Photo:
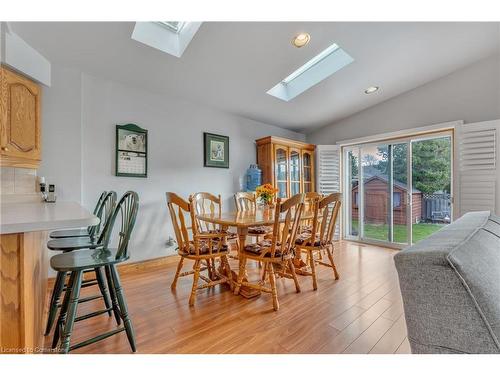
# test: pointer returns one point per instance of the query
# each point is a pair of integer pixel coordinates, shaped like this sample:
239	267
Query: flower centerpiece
266	194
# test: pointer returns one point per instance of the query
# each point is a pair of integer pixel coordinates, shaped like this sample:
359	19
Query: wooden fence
436	207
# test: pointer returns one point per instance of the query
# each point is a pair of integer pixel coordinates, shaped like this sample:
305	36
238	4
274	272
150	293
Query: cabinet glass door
294	172
281	160
307	172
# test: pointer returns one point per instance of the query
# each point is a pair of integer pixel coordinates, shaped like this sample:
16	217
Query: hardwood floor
359	313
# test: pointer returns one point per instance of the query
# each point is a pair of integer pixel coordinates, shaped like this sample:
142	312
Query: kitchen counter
41	216
24	257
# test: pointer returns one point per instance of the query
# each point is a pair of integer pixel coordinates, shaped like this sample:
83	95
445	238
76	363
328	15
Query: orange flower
266	192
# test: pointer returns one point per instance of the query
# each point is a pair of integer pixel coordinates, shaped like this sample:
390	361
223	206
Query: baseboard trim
148	264
139	266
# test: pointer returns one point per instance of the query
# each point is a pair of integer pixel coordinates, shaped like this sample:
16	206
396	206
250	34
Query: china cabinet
286	164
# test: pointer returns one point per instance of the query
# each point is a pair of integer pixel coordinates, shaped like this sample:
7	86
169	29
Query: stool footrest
85	284
97	338
90	298
86	299
92	314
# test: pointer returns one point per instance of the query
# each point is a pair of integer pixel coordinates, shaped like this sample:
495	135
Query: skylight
320	67
174	26
171	37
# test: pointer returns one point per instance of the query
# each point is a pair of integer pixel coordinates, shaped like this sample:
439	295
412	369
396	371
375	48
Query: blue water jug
253	177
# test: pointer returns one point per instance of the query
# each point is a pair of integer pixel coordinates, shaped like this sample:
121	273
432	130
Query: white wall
19	55
471	94
61	134
79	118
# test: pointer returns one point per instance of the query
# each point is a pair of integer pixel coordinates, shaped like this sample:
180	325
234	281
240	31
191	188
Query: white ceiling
231	65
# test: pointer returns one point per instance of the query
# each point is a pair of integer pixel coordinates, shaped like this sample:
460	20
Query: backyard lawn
379	231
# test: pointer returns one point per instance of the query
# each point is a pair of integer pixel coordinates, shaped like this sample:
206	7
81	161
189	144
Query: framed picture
131	151
216	150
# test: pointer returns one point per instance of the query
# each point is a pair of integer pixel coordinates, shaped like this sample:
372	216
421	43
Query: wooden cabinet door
307	171
20	117
281	181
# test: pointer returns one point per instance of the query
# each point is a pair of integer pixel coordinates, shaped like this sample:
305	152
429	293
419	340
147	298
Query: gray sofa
450	283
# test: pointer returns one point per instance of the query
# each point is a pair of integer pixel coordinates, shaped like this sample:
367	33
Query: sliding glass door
397	192
374	190
431	175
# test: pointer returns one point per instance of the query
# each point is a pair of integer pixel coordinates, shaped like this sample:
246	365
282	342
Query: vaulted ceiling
231	65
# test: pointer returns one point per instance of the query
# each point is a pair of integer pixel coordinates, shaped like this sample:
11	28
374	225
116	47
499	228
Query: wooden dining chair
201	246
247	201
309	202
320	238
277	251
207	203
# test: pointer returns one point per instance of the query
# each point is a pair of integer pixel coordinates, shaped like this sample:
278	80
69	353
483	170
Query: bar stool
77	262
90	231
76	243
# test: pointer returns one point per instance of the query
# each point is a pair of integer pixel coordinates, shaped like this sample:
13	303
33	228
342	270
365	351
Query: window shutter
328	174
478	184
328	169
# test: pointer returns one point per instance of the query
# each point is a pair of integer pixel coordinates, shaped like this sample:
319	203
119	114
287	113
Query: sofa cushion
477	263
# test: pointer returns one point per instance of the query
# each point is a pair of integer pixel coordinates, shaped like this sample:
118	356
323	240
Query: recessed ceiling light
301	40
371	89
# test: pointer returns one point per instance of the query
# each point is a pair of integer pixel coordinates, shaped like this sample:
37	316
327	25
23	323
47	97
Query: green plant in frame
216	150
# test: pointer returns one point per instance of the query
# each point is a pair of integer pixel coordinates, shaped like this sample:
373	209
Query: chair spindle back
326	216
284	233
178	208
310	200
206	203
91	229
127	208
245	201
104	214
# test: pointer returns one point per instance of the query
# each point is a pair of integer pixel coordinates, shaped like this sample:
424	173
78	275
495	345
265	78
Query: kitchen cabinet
20	123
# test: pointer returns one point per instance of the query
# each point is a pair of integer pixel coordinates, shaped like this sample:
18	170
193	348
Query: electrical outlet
170	242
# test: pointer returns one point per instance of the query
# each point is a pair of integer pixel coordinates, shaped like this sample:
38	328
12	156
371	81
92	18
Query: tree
369	160
354	169
354	164
431	164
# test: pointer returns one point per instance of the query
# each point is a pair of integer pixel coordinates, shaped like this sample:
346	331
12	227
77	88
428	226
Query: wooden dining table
242	220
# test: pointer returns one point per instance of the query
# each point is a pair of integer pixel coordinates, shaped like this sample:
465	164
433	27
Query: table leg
242	237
